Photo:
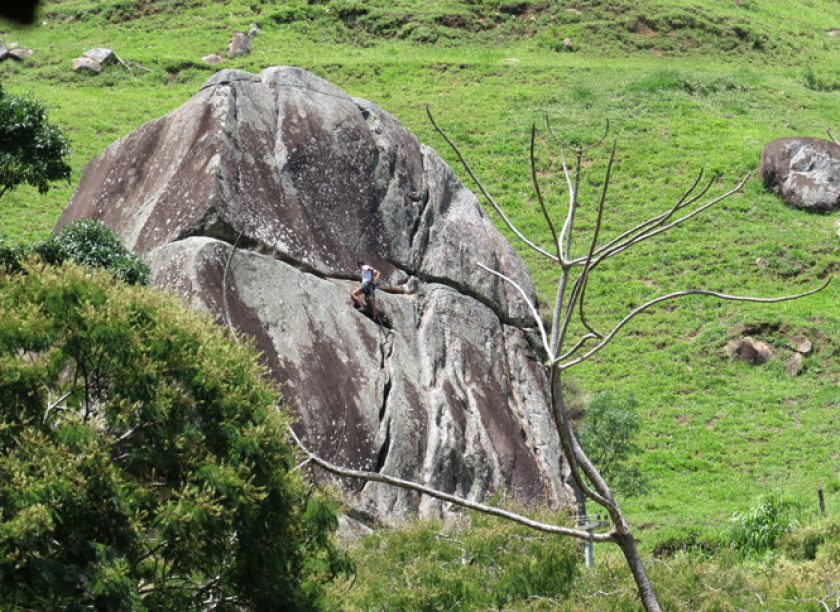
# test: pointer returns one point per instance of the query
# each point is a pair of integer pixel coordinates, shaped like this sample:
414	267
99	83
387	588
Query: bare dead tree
565	352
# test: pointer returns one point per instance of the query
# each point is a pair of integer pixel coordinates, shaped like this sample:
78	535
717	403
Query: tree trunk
631	554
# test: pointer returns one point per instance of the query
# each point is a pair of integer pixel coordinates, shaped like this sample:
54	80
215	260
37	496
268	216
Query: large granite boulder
805	172
309	180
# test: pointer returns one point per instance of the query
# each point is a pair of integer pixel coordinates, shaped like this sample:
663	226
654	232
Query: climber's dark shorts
368	289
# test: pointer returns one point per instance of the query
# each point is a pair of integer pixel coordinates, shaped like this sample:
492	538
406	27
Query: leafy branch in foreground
565	352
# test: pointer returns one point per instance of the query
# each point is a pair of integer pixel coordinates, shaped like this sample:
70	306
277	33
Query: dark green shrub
804	543
87	242
143	459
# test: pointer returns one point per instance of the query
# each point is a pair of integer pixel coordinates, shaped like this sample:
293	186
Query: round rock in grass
239	46
805	172
85	64
4	51
104	57
794	365
21	54
749	350
801	344
213	59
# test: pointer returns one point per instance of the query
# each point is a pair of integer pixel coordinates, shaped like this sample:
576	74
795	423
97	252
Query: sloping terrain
685	86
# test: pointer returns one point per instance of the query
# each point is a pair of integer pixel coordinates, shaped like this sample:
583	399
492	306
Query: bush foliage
142	458
490	565
87	242
32	150
608	434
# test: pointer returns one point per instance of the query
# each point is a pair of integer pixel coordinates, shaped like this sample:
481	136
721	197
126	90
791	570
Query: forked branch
487	195
679	294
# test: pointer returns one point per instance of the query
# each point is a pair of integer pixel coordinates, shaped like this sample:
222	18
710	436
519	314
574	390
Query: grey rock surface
801	344
240	45
450	393
105	57
805	172
86	64
4	51
21	54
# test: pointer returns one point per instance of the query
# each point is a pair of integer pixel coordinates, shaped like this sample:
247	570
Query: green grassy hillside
685	86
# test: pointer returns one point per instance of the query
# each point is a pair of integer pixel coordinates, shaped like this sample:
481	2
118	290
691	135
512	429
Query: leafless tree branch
528	302
487	195
679	294
452	499
536	182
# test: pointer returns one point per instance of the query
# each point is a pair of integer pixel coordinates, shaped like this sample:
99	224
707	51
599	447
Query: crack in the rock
424	202
386	351
213	227
383	452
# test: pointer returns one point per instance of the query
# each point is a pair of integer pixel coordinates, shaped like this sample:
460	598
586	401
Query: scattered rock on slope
805	172
240	45
749	350
310	180
104	57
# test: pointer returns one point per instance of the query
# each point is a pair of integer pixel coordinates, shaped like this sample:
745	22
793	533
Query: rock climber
370	276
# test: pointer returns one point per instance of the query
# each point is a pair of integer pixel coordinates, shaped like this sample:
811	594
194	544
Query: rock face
804	171
240	45
451	393
101	55
86	64
749	350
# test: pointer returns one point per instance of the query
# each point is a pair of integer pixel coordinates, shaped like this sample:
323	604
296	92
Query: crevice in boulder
386	350
382	456
424	202
212	226
467	291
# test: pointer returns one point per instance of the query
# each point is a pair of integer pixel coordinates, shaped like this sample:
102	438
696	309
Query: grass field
684	87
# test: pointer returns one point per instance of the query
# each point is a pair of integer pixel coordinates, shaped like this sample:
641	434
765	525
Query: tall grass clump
755	532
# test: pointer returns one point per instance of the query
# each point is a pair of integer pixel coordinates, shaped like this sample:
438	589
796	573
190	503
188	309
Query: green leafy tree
143	464
32	150
608	435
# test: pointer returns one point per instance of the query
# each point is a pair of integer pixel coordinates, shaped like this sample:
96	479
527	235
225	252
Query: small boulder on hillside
749	350
213	59
801	344
794	365
21	54
805	172
85	64
240	45
104	57
4	51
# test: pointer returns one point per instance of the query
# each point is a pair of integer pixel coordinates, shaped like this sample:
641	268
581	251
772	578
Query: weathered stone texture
805	172
451	393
